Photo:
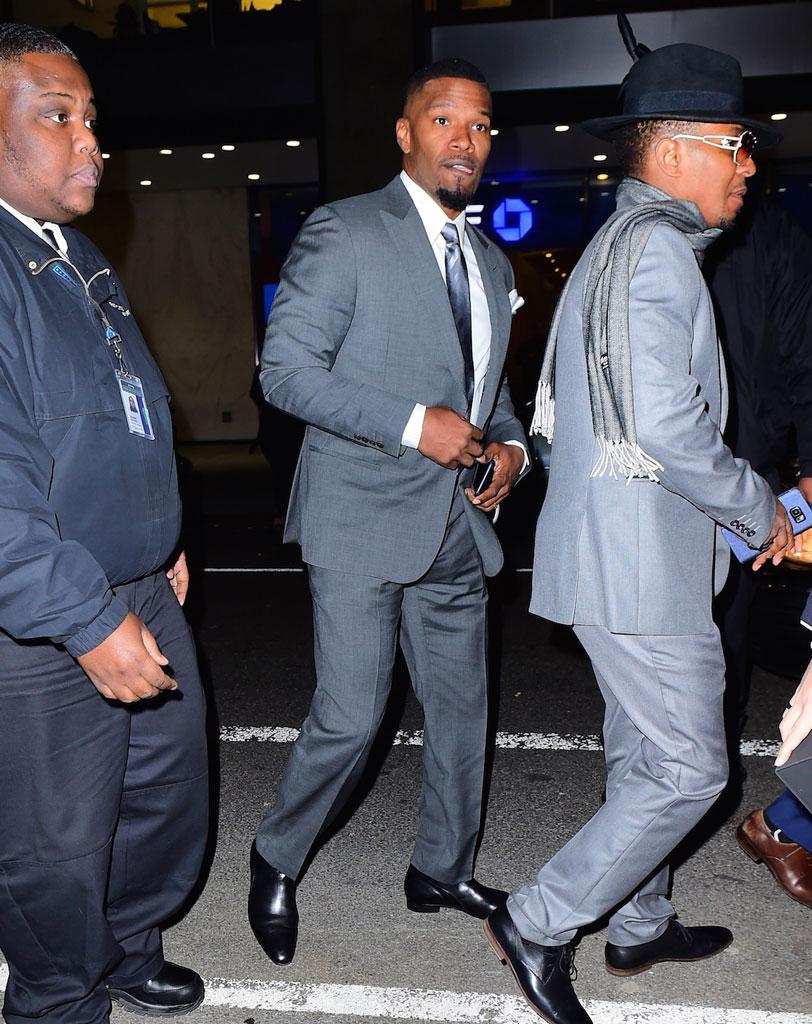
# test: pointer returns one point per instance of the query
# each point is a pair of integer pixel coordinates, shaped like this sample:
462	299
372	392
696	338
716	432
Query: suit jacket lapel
419	263
499	312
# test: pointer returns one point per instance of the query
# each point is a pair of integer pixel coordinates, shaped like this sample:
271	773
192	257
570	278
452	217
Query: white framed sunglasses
741	146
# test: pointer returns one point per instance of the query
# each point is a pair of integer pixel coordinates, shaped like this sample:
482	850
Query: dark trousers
441	622
103	819
732	614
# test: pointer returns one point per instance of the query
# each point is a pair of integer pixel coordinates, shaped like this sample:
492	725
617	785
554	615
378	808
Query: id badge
135	406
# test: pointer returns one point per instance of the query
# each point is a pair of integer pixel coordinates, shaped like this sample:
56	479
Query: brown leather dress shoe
790	864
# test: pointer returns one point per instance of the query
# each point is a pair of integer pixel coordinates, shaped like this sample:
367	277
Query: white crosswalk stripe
448	1007
504	740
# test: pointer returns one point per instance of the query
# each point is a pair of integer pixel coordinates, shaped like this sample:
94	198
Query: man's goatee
456	200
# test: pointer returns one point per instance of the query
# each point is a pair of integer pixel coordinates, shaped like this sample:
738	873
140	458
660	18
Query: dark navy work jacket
760	276
84	504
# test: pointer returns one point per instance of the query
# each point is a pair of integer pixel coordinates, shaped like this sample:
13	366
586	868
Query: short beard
727	223
24	172
456	200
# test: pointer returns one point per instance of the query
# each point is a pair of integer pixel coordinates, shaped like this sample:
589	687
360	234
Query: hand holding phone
798	515
483	474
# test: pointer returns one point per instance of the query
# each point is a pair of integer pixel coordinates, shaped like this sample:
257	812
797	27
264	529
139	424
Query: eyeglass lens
747	146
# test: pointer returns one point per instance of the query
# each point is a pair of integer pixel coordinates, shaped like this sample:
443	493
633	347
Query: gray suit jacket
360	331
639	557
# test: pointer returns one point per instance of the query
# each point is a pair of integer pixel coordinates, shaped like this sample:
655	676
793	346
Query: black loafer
676	943
174	990
424	895
544	974
272	911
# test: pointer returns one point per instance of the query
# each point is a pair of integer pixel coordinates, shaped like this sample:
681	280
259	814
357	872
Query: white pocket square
516	301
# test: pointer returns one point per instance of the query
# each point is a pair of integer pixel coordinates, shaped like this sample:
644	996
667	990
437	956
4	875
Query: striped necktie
456	277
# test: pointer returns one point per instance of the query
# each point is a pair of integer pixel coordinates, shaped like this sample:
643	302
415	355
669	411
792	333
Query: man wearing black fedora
628	547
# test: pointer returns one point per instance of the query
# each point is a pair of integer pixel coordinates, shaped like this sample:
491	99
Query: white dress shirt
38	229
434	220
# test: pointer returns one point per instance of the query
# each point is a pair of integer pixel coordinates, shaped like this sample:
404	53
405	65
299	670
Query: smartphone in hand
483	474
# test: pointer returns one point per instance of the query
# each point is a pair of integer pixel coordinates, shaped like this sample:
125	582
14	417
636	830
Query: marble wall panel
184	260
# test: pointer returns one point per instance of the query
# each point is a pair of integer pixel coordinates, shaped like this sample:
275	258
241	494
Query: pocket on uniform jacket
83	399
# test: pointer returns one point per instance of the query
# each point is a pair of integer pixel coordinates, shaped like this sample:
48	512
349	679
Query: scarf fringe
624	458
544	412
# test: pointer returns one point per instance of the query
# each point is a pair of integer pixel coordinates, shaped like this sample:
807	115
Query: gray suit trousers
666	764
442	623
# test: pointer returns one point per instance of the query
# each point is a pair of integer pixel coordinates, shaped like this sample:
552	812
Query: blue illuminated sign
268	293
512	219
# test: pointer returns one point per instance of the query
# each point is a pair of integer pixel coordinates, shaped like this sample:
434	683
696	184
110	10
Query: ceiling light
599	157
604	193
778	117
228	149
208	156
145	182
494	131
564	274
105	156
549	255
253	177
534	201
562	128
293	143
602	177
782	189
165	152
580	199
494	182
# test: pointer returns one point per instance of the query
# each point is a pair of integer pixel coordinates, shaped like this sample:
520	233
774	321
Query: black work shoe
174	990
272	911
424	895
544	974
676	943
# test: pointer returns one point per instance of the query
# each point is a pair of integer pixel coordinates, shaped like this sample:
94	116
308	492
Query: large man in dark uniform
104	798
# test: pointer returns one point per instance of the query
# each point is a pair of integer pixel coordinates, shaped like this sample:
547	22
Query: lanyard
113	339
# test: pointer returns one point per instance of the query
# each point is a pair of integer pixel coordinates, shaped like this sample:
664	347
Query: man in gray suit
388	337
627	539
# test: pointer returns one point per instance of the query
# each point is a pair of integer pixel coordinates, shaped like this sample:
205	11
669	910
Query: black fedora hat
681	82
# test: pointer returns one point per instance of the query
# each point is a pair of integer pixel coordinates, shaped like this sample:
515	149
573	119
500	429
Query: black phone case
483	474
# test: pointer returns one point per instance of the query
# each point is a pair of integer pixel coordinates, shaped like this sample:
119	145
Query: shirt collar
37	228
431	213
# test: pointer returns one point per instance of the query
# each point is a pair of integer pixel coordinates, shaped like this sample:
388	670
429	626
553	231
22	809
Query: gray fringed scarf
615	255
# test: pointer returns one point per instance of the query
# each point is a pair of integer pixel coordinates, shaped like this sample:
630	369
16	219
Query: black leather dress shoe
272	911
174	990
676	943
424	895
544	974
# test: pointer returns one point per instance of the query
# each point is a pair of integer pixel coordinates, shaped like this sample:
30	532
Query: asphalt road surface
362	956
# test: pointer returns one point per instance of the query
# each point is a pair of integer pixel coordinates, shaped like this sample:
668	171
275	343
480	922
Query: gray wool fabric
619	245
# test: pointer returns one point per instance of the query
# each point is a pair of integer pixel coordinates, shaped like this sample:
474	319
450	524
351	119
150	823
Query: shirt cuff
414	427
519	444
98	630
